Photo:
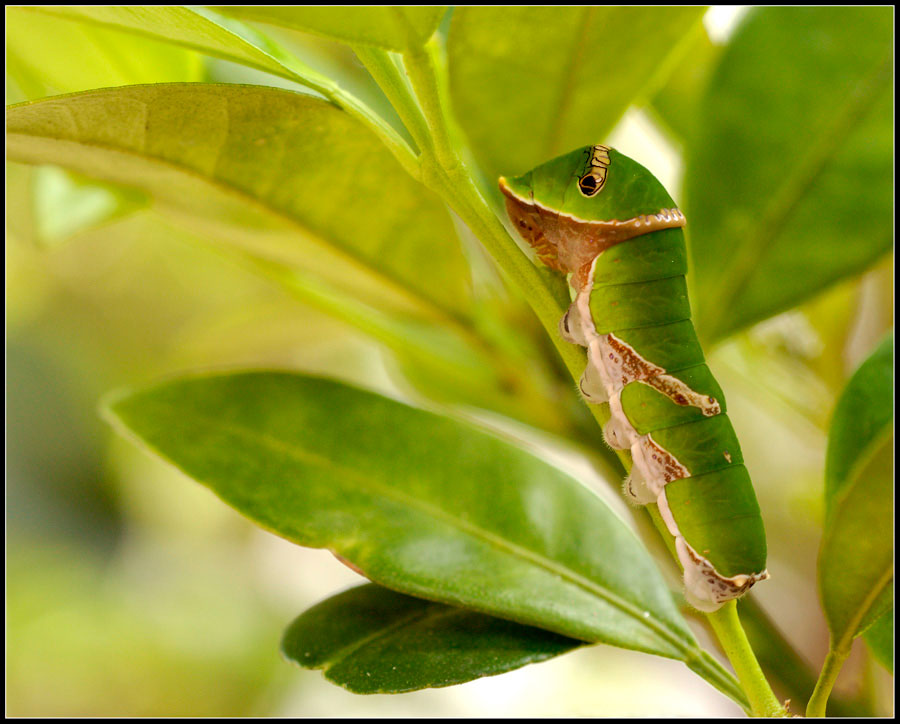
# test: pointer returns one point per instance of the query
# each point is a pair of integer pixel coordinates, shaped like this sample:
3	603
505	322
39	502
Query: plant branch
830	670
422	107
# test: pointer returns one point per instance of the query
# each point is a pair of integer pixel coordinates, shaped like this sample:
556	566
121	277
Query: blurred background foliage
131	592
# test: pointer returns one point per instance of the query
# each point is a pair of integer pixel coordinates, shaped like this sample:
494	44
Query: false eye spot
588	185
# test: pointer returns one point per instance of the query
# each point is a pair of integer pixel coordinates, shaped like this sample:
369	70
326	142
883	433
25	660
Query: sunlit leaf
40	49
185	27
389	27
788	180
529	83
372	640
282	174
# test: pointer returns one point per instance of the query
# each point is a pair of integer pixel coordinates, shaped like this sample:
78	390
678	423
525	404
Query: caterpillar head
571	208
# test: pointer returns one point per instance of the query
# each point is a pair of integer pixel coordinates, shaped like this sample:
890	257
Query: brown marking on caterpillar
681	394
722	588
567	243
662	462
629	363
727	455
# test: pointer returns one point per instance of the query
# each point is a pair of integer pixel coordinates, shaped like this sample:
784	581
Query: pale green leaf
41	48
282	174
388	27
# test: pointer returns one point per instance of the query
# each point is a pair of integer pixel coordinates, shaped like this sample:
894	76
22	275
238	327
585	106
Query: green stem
727	625
443	171
830	670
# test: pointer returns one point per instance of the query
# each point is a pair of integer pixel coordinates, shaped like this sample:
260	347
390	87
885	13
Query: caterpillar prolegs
604	219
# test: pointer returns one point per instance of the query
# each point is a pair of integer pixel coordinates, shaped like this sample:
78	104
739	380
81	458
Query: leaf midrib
492	539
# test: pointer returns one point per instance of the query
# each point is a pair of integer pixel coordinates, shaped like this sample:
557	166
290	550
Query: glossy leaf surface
372	640
788	181
419	503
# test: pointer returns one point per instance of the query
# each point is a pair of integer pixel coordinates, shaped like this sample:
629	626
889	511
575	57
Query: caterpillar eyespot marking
624	249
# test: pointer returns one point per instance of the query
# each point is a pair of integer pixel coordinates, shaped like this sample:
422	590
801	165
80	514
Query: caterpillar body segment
605	220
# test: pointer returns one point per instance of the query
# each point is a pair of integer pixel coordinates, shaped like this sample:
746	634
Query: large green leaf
529	83
295	181
389	27
189	28
789	182
40	49
856	559
372	640
419	503
279	173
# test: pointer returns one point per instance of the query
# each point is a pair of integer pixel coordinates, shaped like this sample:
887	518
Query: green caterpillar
598	215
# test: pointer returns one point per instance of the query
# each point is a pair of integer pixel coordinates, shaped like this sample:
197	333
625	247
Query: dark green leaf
529	83
420	503
372	640
789	181
390	27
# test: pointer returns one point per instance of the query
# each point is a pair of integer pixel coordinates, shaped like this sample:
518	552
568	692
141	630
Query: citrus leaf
788	179
880	639
420	503
863	413
390	27
856	559
372	640
284	175
529	83
40	48
189	28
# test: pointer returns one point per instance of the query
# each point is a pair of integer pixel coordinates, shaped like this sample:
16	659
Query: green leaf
188	28
675	104
419	503
789	181
284	175
390	27
40	49
864	412
529	83
856	560
371	640
880	639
